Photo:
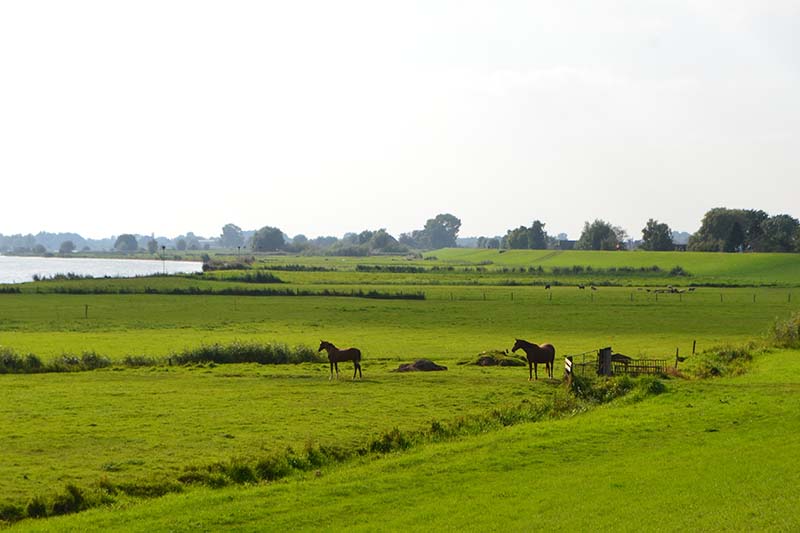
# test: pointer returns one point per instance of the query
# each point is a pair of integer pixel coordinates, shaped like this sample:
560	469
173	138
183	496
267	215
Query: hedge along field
632	322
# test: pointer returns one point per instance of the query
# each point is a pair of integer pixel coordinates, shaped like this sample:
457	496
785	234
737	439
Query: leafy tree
39	249
180	244
152	246
516	239
126	243
440	231
268	239
537	237
382	241
779	233
365	236
727	230
600	235
67	247
231	236
300	240
657	236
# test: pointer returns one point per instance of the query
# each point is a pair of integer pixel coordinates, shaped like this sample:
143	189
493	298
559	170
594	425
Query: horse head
517	345
324	345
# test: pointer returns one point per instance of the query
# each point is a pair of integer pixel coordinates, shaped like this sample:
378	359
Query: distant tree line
731	230
721	230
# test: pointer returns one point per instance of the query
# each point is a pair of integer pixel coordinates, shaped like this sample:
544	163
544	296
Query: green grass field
718	455
151	425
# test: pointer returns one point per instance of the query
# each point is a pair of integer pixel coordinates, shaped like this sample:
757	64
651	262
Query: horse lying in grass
536	354
336	356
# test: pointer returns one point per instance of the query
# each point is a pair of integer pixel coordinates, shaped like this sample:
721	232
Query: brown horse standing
536	354
336	356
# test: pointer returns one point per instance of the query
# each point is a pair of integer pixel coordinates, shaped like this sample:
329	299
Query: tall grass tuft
247	352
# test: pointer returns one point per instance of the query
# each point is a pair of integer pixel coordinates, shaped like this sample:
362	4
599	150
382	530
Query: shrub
70	501
36	508
273	467
11	513
247	352
725	360
786	333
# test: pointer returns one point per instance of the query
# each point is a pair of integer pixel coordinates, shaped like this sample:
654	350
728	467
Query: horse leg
331	376
536	371
530	371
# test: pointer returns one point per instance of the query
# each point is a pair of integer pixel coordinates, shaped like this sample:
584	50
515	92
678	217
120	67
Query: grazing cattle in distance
547	286
581	286
593	288
536	354
336	356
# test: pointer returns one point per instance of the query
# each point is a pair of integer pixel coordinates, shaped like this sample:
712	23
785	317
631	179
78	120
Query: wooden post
720	297
754	298
694	346
550	296
677	351
512	296
484	296
604	362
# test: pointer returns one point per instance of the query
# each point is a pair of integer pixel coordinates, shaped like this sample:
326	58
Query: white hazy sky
326	117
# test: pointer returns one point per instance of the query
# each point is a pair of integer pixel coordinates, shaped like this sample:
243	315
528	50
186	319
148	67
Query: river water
21	269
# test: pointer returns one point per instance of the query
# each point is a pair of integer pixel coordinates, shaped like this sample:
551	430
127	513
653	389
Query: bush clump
725	360
786	333
247	352
13	363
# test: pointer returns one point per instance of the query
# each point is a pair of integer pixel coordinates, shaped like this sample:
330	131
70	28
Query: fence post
604	362
568	370
694	345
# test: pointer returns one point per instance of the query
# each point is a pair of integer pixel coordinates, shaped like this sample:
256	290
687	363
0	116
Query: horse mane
526	343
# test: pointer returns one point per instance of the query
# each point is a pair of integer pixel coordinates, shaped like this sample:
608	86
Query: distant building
566	244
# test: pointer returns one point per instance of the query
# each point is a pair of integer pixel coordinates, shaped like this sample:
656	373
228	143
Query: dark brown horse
536	354
336	356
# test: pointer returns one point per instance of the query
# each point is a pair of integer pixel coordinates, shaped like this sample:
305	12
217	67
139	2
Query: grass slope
714	455
782	269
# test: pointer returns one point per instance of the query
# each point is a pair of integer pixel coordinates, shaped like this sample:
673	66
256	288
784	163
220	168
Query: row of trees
729	230
438	232
722	230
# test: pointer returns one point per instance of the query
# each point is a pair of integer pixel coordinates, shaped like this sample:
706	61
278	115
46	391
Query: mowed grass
632	322
149	424
718	455
772	268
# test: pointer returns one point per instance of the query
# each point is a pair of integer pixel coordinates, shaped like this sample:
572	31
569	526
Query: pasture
150	426
717	455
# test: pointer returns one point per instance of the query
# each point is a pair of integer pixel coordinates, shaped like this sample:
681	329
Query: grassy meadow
152	426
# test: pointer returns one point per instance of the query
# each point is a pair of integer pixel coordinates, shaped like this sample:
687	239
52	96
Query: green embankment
717	455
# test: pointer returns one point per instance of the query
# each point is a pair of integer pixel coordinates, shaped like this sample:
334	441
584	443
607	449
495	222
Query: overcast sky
326	117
